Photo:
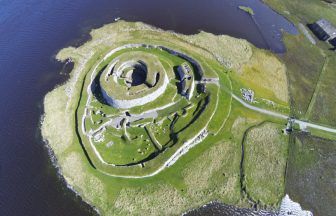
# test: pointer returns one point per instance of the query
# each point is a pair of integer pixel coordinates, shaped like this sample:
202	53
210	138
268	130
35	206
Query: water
31	33
216	208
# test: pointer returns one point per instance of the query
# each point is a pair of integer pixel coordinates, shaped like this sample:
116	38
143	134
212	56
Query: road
303	124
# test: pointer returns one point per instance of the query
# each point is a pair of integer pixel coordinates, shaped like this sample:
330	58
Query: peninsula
156	123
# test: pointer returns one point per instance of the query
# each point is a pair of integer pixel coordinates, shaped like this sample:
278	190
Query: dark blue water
31	33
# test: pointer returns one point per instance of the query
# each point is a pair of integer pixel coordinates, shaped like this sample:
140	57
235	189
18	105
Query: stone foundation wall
126	104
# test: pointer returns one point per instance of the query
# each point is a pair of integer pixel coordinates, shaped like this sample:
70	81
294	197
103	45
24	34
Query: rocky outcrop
291	208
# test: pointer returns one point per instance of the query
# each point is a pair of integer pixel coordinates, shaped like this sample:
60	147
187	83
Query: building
184	72
186	84
248	94
327	27
333	42
183	88
323	29
180	73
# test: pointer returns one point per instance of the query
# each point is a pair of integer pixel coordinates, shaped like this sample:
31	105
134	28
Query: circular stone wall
122	141
119	87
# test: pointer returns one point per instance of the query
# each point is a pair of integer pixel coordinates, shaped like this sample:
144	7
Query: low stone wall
126	104
184	56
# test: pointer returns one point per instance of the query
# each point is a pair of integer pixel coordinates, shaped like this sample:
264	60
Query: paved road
278	115
303	124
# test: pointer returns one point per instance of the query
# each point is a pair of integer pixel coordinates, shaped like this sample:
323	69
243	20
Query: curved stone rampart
184	56
126	104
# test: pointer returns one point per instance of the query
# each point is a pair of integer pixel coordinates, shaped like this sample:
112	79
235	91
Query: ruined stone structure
120	90
140	94
126	104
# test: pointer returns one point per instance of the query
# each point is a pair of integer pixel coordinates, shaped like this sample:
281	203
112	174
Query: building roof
181	73
186	67
184	71
183	87
333	42
318	31
327	27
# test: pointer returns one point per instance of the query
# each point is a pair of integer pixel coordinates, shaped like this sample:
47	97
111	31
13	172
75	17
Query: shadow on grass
96	88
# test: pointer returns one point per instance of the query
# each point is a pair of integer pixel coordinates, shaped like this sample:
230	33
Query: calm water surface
31	33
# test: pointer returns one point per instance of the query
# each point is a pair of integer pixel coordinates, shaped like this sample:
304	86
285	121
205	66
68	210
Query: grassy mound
122	92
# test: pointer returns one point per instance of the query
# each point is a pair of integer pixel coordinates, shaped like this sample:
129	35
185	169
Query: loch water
31	33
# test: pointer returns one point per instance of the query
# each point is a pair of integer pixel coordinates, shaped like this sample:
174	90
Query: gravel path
303	124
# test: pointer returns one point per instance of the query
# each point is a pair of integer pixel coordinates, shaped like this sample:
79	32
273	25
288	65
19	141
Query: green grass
247	10
179	105
311	87
120	91
259	75
304	61
123	151
183	135
224	98
214	163
265	156
311	173
309	12
161	131
322	134
184	119
169	96
324	103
